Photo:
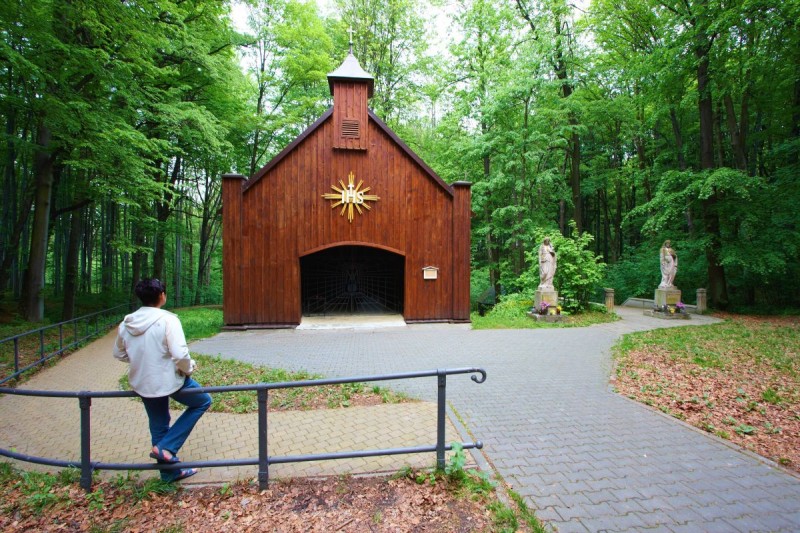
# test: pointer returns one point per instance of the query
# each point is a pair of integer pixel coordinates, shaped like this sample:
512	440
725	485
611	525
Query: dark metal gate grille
352	280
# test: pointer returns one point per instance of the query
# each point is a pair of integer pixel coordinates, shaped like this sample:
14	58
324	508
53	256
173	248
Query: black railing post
440	419
263	458
85	403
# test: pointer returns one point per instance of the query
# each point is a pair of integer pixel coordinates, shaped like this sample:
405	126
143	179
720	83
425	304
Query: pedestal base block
551	297
668	315
667	297
546	318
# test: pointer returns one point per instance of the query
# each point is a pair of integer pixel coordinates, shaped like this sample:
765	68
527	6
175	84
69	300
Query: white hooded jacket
152	341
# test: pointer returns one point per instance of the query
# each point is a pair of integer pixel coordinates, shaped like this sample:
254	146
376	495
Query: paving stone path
585	458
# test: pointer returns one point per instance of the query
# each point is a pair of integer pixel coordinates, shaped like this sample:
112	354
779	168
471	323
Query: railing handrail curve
63	323
263	461
20	368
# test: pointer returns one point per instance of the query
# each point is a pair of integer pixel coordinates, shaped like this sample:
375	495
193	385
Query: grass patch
512	313
200	322
215	372
720	345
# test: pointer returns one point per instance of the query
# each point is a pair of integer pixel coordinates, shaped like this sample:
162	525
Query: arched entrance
352	280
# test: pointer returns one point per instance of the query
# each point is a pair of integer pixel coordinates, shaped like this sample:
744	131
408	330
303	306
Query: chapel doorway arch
352	280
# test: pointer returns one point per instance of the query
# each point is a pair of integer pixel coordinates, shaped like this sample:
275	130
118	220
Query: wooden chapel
346	219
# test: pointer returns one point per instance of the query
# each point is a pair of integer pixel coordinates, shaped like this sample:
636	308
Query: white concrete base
352	322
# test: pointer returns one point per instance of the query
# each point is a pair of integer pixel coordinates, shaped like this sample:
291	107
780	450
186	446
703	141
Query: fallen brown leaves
744	398
337	504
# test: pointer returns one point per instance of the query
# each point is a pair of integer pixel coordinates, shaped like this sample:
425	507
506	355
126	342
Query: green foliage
771	396
39	490
145	105
454	468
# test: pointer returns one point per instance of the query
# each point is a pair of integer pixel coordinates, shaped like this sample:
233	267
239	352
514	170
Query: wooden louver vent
351	128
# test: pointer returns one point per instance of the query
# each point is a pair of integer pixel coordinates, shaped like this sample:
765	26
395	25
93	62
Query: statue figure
547	265
669	266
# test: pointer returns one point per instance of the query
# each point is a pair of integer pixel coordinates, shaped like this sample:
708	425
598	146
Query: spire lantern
350	71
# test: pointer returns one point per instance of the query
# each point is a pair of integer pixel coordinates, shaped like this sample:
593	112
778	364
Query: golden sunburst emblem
350	196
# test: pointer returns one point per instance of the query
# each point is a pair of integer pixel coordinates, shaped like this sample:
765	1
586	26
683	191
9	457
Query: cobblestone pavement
585	458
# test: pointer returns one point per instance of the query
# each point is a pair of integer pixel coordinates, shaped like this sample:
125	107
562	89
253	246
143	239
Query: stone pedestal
546	318
668	315
702	303
545	295
669	296
609	300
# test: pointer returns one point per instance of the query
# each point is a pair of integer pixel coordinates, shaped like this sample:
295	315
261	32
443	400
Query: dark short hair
149	291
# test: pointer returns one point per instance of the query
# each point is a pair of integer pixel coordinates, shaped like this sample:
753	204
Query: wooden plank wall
283	216
350	103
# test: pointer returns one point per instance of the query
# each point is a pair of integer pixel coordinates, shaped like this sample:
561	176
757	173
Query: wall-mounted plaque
430	273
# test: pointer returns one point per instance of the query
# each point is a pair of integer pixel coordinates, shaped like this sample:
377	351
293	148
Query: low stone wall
648	304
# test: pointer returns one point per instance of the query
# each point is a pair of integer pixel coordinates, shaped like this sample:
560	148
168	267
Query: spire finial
351	31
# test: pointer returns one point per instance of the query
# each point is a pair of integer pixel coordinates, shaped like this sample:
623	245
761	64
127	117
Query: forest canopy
614	125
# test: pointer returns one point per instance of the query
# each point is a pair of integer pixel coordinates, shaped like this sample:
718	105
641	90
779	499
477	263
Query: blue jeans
172	438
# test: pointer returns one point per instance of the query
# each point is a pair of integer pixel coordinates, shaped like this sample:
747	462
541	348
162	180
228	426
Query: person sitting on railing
152	341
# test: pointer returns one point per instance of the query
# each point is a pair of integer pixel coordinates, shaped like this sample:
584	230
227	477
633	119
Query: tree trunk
575	178
737	138
137	262
163	212
107	250
718	290
676	131
32	298
209	234
706	109
72	264
9	212
491	246
15	238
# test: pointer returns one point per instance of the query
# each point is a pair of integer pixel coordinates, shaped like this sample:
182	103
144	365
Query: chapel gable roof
321	120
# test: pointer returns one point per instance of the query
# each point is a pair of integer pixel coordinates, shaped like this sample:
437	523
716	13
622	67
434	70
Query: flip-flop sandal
189	472
161	458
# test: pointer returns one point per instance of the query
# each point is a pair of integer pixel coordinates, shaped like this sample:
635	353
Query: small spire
351	31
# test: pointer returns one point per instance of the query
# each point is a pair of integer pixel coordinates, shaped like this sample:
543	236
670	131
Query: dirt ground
341	504
748	401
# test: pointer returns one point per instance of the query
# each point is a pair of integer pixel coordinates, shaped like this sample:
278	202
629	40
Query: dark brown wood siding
350	116
281	215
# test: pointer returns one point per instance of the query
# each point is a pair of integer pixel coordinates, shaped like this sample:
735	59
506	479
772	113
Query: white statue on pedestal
669	266
547	265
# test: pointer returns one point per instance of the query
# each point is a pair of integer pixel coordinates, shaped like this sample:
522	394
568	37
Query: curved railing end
480	379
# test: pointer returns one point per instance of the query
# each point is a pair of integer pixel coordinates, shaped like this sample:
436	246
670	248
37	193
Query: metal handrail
113	312
263	460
